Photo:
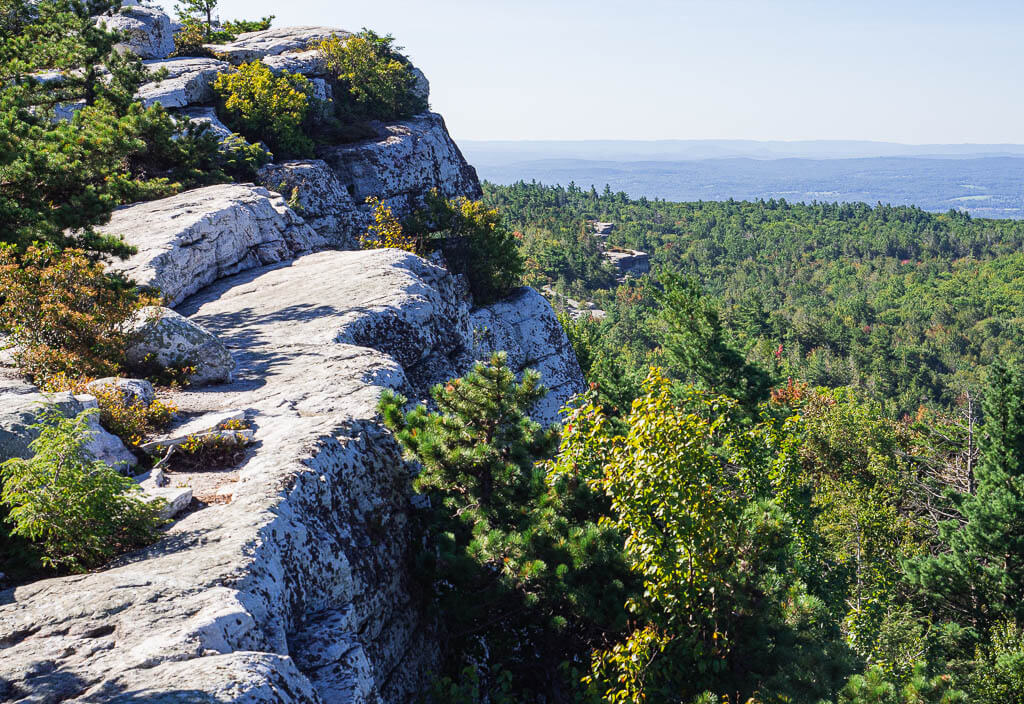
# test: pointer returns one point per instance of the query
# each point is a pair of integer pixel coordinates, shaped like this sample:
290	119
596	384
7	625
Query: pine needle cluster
521	572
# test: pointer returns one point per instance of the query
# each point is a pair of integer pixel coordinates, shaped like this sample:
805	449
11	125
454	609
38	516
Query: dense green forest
904	305
798	474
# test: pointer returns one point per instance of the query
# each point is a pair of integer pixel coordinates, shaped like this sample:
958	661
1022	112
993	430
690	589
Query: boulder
147	30
156	486
525	326
132	391
604	228
161	338
19	411
253	46
308	63
322	201
207	116
629	262
421	88
189	240
188	81
405	161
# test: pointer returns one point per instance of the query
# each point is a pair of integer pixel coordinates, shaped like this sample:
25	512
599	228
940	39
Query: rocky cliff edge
289	581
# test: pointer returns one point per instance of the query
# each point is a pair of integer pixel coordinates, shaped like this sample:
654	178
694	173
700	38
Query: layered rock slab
405	161
525	327
321	198
296	590
252	46
194	238
187	81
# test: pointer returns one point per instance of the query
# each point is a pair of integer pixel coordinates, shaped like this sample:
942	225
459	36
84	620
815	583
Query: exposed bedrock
194	238
406	160
253	46
146	30
298	589
299	583
525	326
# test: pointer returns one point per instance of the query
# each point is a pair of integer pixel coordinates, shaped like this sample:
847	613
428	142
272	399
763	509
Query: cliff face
290	581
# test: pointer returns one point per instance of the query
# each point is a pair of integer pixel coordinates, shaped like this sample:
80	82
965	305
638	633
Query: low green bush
235	27
266	107
472	237
387	232
373	80
79	510
475	243
190	155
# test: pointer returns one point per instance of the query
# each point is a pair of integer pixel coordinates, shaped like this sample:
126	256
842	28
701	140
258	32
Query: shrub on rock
129	409
475	242
267	107
75	142
63	313
375	82
387	232
162	341
77	508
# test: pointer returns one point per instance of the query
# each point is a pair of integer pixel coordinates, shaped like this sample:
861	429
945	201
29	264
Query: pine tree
697	344
546	581
59	178
480	443
197	11
979	579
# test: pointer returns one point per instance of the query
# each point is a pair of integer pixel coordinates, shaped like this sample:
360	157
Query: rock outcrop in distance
290	581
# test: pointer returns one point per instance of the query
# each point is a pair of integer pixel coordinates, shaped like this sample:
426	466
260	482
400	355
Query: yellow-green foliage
78	509
374	80
386	231
267	107
64	314
476	243
120	412
716	524
189	40
131	420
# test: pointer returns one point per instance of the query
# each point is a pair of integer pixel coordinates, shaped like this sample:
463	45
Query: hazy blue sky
914	71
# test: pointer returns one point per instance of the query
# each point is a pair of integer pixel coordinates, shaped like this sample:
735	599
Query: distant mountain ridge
967	178
500	151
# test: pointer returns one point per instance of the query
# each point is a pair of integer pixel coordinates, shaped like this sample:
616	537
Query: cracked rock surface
295	591
194	238
525	326
297	588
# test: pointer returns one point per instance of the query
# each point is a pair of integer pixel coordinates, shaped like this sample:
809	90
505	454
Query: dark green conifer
698	347
523	576
979	578
61	177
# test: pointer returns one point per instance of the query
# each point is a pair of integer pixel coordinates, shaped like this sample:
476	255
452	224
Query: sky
910	71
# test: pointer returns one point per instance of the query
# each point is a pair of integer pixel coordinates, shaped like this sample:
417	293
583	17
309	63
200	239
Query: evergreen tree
698	347
197	11
979	579
59	177
546	581
480	442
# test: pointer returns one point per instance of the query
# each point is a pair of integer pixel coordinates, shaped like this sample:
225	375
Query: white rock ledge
194	238
236	595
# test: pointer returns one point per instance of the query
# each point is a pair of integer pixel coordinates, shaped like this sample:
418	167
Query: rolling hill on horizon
983	180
